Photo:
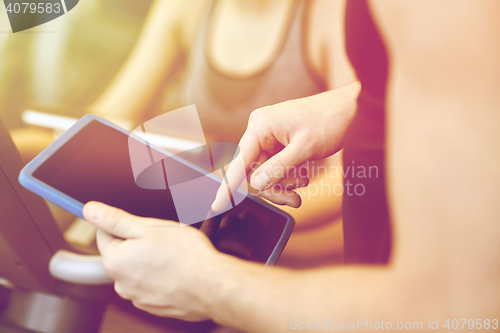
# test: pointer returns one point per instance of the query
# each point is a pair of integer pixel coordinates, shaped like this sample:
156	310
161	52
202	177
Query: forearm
336	108
342	99
146	67
263	299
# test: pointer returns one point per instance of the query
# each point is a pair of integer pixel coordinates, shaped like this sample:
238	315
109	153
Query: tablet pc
91	162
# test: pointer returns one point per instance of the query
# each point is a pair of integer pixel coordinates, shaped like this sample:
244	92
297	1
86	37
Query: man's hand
281	137
158	265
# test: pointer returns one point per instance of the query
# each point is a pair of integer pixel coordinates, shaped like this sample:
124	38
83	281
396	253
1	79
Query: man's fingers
293	183
248	151
283	194
280	196
114	221
279	165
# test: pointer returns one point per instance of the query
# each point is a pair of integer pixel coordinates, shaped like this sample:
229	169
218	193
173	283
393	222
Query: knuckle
140	305
308	140
121	291
279	169
254	114
114	218
267	142
257	114
110	266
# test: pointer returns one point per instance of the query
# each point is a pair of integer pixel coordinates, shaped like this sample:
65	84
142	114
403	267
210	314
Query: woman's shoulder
189	15
325	41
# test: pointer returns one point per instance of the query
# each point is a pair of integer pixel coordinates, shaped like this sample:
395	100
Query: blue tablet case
27	180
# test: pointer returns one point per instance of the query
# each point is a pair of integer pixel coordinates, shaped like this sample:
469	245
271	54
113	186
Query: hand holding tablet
91	162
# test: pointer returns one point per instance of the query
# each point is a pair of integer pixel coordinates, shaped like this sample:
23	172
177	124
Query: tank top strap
224	101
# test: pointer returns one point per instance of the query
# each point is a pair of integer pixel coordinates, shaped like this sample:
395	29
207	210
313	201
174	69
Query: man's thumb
112	220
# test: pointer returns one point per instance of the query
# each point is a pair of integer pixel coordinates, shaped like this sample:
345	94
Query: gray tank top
224	101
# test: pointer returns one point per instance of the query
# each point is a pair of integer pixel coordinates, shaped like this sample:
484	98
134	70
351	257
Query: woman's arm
443	123
165	34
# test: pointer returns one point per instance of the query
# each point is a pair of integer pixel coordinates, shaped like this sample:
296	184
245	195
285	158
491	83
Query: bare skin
443	123
245	37
172	26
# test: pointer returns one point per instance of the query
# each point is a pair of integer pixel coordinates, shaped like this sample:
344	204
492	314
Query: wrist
246	295
218	285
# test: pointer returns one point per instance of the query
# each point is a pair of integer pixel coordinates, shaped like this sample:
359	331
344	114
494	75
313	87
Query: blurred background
68	62
129	61
67	65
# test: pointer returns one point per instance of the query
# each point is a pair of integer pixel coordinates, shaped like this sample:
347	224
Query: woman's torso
224	100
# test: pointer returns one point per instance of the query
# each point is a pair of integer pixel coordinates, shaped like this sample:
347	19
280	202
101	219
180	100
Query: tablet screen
94	165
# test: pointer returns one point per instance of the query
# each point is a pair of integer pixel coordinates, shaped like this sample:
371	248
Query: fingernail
219	207
261	180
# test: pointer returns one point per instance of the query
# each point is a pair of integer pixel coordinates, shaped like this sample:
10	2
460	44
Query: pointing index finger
247	153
